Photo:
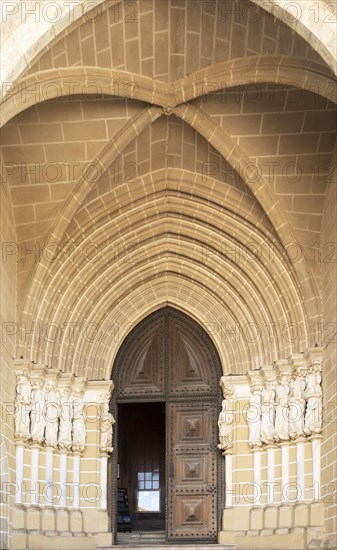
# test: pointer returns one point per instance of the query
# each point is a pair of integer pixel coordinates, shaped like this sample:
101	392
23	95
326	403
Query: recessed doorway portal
141	460
166	402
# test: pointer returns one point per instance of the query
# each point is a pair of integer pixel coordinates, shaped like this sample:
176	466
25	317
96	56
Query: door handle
171	470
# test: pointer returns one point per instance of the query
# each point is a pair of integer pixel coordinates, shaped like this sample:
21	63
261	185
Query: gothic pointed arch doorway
166	403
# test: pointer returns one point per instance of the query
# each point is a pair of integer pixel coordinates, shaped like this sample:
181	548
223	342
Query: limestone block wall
4	507
7	347
329	274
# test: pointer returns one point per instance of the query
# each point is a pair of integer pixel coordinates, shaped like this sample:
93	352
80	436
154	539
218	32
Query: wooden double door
166	401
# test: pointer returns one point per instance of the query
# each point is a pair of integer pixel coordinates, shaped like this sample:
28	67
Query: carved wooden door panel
192	471
143	372
189	361
168	358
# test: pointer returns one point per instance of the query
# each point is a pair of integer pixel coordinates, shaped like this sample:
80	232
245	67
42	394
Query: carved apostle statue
282	409
23	407
225	421
296	405
66	418
78	432
268	412
107	421
52	411
254	417
313	395
38	422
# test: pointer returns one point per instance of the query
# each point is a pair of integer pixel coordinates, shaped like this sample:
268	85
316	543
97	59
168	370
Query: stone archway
170	360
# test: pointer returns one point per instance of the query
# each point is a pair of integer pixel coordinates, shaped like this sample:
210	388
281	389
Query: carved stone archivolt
286	400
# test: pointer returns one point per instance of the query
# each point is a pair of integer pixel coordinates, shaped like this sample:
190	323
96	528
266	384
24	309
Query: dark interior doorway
141	462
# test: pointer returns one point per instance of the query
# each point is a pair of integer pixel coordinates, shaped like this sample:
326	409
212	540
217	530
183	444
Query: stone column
257	474
271	474
284	470
63	477
49	464
316	467
229	479
76	479
300	468
49	474
103	481
34	473
20	449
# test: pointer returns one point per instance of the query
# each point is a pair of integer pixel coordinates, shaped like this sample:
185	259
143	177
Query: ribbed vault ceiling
165	196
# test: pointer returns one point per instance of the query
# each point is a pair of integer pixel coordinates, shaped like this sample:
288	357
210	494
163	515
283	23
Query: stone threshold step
179	547
169	547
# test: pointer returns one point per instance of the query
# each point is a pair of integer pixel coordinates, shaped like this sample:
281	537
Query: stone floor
157	541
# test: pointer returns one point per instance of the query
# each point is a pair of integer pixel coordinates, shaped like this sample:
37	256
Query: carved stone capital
21	441
64	449
21	366
227	388
255	380
269	375
228	451
314	357
36	444
284	443
105	451
300	439
314	436
283	369
78	449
